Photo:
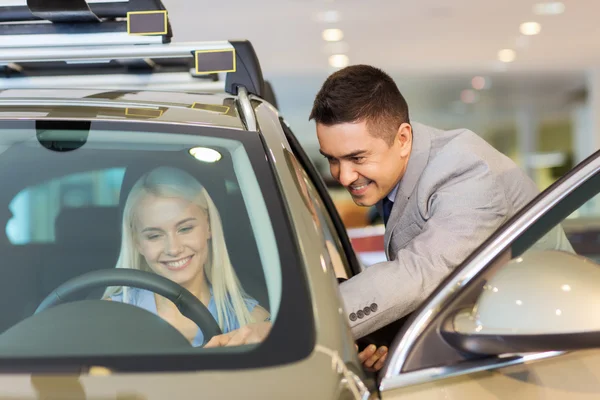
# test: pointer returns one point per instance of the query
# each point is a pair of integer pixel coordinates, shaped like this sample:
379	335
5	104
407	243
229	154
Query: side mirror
542	301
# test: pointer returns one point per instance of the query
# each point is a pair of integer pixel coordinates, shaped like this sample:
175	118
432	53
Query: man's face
367	166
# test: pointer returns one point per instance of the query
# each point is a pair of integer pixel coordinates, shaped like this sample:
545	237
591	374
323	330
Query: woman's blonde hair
172	182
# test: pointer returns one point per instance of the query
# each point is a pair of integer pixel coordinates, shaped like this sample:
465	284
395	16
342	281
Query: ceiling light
530	28
328	17
205	154
339	60
552	8
478	83
333	35
507	55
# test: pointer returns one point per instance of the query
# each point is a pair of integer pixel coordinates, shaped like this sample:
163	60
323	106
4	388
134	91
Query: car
512	320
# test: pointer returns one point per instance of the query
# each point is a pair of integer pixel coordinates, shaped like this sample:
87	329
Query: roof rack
113	37
161	81
236	58
76	23
26	10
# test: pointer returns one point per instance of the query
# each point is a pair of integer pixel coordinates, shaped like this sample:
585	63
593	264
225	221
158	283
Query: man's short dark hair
361	93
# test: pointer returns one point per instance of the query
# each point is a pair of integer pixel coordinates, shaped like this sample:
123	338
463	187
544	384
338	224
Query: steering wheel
188	304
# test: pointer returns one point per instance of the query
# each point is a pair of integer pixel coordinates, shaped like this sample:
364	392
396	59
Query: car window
577	233
195	205
35	209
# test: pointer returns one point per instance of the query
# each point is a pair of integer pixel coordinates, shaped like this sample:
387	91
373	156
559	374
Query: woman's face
172	235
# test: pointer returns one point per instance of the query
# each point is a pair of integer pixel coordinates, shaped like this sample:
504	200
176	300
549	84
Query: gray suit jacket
457	190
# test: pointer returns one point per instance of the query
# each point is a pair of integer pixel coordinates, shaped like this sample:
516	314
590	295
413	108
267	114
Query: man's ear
404	139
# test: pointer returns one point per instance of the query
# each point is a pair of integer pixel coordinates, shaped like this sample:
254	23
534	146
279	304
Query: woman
172	227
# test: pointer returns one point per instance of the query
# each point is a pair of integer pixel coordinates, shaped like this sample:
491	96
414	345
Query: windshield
106	222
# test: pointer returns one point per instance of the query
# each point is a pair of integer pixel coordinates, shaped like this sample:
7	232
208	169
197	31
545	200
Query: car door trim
466	368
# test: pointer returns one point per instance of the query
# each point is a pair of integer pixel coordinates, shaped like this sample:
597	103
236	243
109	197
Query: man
441	193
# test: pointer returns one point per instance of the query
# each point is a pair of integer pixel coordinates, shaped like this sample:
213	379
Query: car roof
159	106
124	58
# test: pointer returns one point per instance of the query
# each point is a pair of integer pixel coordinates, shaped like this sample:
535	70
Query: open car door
518	319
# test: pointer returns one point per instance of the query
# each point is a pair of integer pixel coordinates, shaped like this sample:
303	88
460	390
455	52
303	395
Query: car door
519	318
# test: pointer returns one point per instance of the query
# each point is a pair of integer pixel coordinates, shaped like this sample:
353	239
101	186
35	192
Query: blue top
145	299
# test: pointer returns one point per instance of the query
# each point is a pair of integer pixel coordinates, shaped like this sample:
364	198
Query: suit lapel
419	156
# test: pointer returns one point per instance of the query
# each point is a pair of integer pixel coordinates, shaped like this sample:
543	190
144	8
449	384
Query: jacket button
367	310
352	317
360	314
374	307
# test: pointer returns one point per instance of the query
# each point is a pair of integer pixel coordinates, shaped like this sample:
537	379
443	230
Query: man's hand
248	334
373	358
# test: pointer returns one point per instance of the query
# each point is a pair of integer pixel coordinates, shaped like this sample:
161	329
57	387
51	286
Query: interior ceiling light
205	154
551	8
339	60
507	55
530	28
333	35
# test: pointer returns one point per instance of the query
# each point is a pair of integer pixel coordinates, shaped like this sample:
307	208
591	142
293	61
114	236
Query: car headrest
87	225
211	179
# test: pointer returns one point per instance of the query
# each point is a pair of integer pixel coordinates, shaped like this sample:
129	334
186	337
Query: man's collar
392	195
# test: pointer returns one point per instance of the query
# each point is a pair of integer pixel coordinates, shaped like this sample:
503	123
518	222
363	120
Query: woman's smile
179	264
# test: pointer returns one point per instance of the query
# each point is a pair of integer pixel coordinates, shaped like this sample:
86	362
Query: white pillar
582	132
586	119
586	131
527	135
